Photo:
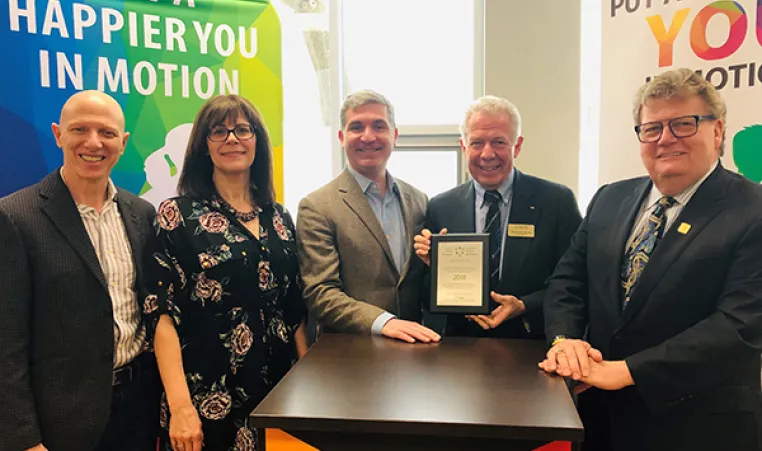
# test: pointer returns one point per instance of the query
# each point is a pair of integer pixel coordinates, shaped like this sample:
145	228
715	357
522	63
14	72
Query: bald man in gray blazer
355	234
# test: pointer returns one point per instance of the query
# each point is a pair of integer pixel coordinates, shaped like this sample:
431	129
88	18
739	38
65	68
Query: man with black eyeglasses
656	309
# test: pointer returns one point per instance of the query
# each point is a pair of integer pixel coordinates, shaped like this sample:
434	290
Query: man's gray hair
494	106
366	97
680	84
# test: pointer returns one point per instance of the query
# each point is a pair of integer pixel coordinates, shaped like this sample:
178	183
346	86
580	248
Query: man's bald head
91	136
92	100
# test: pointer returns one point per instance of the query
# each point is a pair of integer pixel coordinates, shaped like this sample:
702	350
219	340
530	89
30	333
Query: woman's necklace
243	216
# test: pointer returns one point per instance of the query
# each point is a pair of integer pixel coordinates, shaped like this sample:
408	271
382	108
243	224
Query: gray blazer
56	321
346	263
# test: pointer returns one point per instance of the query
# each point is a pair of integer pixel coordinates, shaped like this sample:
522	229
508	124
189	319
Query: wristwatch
558	339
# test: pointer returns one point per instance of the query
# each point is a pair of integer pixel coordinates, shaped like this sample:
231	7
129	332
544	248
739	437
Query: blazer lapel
410	231
705	204
356	201
59	207
135	232
619	233
523	211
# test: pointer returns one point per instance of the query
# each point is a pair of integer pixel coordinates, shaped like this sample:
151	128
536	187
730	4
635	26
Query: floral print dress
236	302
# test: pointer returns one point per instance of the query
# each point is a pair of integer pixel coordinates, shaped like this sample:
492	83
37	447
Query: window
307	134
419	54
426	56
432	171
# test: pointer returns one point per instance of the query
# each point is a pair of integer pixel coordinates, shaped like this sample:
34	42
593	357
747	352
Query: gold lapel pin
684	228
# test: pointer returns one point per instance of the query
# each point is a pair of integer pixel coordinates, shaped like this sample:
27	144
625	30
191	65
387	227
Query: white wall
532	58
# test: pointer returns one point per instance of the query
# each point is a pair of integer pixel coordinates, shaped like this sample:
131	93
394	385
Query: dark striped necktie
492	227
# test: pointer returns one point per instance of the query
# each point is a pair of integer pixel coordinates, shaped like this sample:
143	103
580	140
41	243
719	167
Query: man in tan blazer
355	234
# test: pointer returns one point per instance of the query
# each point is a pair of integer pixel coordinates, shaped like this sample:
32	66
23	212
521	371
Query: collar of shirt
111	193
505	189
681	198
367	184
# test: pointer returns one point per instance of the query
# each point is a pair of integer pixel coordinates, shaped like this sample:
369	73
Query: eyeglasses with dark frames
681	127
220	133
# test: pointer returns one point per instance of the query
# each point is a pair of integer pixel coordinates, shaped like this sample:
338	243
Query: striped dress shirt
112	246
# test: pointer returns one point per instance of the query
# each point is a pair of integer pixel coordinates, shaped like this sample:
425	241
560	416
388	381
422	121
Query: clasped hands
580	361
568	358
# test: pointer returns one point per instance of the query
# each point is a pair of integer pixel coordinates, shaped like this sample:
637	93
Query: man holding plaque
657	305
354	235
530	222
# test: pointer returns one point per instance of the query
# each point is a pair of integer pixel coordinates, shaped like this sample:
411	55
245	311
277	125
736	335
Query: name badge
521	230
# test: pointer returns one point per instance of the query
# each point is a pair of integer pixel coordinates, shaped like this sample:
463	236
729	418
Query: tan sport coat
346	263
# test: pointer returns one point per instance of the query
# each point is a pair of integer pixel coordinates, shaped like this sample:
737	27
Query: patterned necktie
492	227
643	246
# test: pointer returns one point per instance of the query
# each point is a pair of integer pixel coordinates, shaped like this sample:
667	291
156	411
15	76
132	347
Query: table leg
261	440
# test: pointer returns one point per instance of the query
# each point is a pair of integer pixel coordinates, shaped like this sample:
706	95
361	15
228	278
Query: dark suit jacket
56	322
692	332
527	262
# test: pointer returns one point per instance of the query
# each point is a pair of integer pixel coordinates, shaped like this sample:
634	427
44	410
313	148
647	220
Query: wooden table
356	392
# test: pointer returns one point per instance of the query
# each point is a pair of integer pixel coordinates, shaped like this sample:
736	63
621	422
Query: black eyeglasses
681	127
241	131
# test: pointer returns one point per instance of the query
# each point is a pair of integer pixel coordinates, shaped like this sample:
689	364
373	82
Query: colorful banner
161	60
722	40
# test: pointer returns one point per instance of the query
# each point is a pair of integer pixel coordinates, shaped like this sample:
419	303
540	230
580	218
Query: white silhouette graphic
163	166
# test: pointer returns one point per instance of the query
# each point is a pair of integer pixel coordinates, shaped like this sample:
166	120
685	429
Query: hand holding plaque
459	273
422	244
508	306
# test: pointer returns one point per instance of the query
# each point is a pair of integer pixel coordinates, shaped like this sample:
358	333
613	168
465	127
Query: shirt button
160	283
243	253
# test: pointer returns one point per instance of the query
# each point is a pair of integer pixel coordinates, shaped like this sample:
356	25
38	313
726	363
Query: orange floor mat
278	440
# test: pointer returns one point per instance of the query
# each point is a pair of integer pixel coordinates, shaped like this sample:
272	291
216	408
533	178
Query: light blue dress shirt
506	190
388	211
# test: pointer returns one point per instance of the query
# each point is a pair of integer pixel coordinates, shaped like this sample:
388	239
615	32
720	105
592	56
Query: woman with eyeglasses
224	307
